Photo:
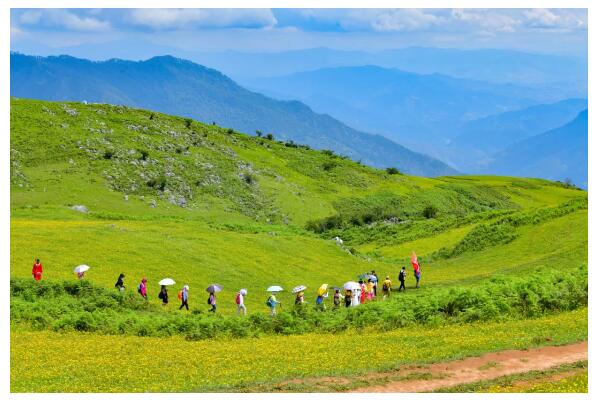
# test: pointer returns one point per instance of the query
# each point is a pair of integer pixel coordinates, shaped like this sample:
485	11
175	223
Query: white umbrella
214	288
243	292
81	268
167	281
351	285
298	289
274	288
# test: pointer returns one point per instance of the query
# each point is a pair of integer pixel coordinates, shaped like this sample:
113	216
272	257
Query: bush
187	122
158	183
249	178
392	170
328	166
270	137
143	154
430	212
108	154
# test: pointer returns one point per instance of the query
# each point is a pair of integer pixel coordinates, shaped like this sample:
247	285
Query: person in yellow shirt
370	289
386	288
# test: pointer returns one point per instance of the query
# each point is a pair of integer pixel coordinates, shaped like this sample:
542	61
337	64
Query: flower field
103	363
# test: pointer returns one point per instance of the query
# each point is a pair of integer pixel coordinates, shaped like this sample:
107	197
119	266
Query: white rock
80	208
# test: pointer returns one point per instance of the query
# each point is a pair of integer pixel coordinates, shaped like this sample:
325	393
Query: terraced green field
171	197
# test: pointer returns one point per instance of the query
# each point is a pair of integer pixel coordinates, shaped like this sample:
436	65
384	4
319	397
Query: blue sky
47	31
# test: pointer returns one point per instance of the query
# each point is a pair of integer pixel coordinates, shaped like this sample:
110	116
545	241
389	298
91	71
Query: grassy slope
232	232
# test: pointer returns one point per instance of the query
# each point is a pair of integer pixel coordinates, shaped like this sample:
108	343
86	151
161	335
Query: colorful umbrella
214	288
298	289
81	268
322	289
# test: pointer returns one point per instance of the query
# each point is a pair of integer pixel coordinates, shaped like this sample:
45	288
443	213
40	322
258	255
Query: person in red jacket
37	270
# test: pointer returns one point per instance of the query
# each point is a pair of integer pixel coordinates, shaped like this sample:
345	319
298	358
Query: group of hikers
355	293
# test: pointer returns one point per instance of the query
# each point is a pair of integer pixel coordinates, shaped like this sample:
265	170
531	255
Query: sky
49	31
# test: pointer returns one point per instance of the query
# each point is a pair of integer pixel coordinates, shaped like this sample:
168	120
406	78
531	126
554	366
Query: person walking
240	301
347	298
402	275
386	288
163	295
337	298
320	301
417	274
299	298
37	270
142	288
363	288
370	290
212	301
120	283
272	303
374	278
183	296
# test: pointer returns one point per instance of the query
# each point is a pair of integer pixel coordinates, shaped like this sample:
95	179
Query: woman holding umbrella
163	295
80	271
272	300
212	299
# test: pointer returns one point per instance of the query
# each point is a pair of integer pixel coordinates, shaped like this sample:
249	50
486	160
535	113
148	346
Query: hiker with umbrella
212	289
163	292
351	295
80	271
322	294
299	295
272	300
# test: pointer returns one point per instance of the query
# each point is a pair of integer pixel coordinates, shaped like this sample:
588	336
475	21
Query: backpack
138	288
209	301
160	295
385	286
401	276
269	302
237	298
180	295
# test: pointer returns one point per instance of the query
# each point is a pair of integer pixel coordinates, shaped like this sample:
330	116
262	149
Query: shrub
258	133
329	165
270	137
187	122
392	170
108	154
249	178
430	212
158	183
230	131
143	154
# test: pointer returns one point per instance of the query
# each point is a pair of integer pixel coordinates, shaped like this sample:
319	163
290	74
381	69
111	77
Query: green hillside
171	197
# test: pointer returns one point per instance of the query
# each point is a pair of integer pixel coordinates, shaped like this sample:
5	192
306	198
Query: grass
173	198
104	363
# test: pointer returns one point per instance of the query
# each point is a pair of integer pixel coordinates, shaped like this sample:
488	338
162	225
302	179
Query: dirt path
486	367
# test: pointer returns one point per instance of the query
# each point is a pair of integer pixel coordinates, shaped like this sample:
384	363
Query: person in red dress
37	270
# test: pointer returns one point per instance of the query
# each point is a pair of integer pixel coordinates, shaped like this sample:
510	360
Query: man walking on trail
37	270
184	297
374	279
402	275
386	288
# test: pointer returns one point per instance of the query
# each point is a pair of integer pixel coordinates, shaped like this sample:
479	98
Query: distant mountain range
180	87
557	154
410	108
567	74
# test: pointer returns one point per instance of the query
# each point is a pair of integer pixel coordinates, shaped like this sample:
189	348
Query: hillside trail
486	367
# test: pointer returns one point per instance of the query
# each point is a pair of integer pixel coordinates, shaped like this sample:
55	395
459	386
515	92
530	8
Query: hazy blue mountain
556	77
180	87
556	154
410	108
494	133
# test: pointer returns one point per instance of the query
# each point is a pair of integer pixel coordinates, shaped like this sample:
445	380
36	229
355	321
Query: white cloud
555	19
60	18
486	21
169	18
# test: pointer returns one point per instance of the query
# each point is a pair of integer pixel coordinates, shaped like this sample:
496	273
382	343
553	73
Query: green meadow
171	197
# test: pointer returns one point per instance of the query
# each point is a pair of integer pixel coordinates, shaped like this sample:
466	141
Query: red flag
414	261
